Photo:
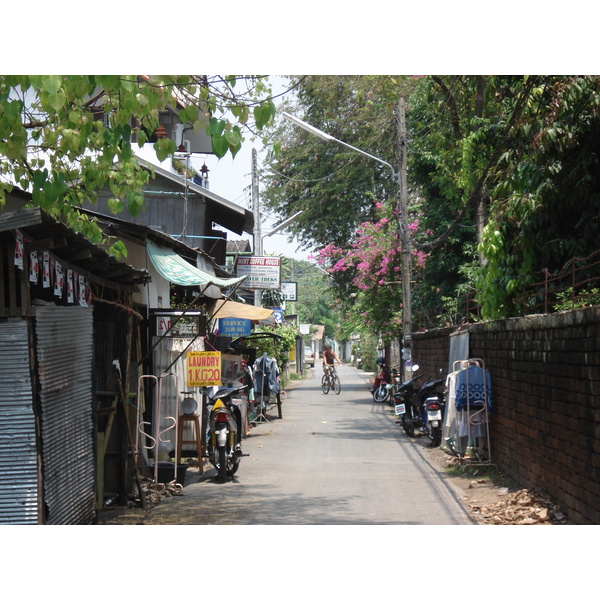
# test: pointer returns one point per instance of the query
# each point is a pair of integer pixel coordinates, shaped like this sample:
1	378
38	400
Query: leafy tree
546	205
277	348
512	161
332	185
503	174
64	137
458	129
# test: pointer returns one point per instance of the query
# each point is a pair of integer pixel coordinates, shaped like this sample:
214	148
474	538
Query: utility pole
256	211
405	241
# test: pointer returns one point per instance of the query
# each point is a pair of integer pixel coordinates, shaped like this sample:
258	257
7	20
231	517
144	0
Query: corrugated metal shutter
18	455
65	352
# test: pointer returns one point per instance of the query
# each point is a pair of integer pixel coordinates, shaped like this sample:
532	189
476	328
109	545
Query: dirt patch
491	497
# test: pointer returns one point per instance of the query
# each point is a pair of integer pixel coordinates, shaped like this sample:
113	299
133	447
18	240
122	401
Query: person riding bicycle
329	358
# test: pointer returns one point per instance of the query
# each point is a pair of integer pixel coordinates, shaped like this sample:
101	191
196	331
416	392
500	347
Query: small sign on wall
203	369
289	290
232	327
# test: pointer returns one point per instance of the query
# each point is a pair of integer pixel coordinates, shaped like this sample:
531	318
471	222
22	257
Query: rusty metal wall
65	355
18	454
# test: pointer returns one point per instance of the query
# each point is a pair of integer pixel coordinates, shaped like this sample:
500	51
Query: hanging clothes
473	386
266	376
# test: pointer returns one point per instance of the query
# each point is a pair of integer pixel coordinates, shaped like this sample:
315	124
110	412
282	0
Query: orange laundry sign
203	369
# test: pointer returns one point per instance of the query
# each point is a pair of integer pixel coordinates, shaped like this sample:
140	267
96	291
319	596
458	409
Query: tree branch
451	105
477	190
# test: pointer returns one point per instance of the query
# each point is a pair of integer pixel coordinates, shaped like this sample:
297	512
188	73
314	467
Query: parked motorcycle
434	408
405	403
421	409
224	439
380	390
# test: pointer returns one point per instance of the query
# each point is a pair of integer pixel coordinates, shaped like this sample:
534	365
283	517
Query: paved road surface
330	460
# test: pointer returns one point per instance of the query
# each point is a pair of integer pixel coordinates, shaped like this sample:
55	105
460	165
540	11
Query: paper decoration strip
19	250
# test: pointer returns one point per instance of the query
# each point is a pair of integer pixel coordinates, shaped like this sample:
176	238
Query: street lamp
330	138
259	250
279	227
402	219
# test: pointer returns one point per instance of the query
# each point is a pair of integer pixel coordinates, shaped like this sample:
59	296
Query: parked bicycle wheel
325	384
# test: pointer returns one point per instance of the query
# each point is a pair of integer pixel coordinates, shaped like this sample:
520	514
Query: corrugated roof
226	213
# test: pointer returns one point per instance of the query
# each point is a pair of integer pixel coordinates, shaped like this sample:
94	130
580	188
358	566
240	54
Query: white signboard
263	272
289	289
304	328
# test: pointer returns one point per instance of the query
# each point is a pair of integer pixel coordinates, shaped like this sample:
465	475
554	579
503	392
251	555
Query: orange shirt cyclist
329	358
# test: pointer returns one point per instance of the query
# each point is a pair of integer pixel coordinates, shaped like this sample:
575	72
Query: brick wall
545	425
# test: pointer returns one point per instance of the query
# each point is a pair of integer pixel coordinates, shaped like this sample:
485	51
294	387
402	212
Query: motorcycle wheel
436	436
222	466
380	394
335	383
408	426
325	384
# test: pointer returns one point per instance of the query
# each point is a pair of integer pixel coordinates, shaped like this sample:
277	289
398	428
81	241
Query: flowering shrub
374	260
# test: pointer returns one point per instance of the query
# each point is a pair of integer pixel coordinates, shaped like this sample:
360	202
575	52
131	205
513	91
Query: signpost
263	272
289	289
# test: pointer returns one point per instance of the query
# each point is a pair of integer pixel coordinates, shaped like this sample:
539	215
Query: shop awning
222	309
177	270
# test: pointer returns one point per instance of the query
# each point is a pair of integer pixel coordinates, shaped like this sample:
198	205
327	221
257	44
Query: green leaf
216	127
57	100
164	148
118	250
51	83
220	146
233	137
115	205
142	138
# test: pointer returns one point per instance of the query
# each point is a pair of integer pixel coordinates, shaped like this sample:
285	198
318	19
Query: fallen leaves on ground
522	507
513	507
156	492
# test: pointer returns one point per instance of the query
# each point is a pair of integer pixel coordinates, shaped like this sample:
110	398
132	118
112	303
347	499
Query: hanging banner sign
19	250
234	328
262	272
203	369
34	268
46	270
59	279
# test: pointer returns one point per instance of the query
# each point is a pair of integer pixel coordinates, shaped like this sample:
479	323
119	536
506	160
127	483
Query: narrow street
331	460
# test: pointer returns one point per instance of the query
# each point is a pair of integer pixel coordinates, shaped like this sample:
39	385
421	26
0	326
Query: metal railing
575	285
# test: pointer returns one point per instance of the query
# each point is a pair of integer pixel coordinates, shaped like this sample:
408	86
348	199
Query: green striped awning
177	270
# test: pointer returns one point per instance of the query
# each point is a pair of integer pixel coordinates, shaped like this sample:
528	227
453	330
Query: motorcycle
224	439
380	390
421	408
433	411
405	403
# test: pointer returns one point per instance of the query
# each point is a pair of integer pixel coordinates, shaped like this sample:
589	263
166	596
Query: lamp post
259	248
279	227
400	180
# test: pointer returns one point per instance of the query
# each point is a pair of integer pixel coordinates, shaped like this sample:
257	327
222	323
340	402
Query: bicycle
331	381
